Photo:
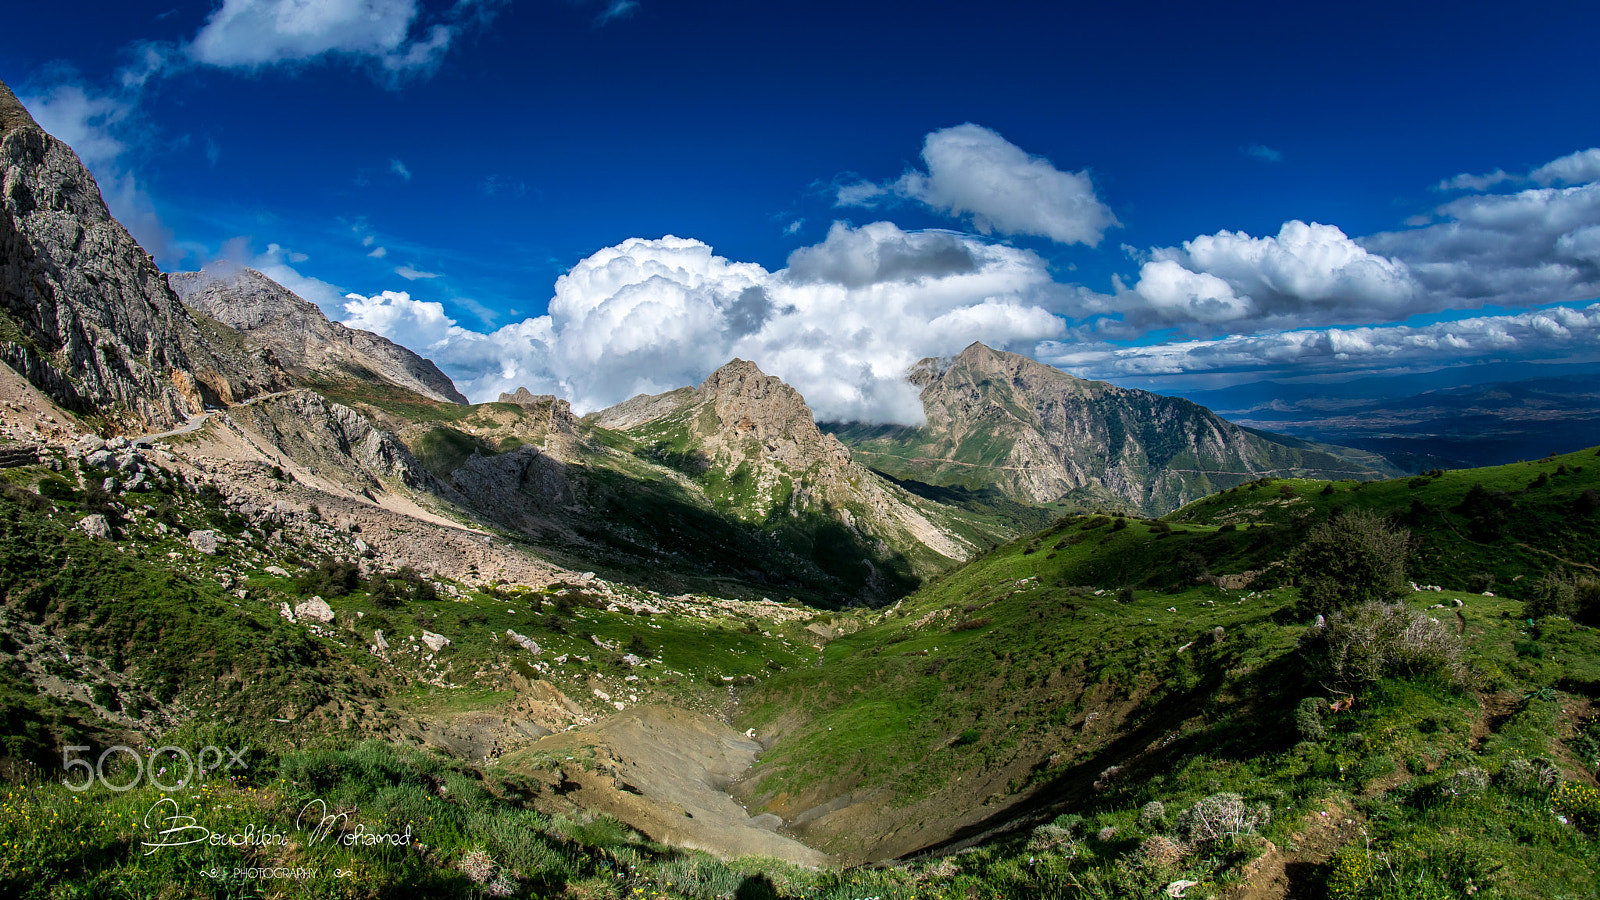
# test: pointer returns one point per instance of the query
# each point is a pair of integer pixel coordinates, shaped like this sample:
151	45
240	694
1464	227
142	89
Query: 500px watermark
154	767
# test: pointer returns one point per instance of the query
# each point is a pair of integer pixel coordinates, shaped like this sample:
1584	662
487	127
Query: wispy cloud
1262	152
399	168
411	274
614	10
503	186
389	34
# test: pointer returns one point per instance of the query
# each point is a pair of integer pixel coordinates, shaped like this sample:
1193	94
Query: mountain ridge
1044	436
305	340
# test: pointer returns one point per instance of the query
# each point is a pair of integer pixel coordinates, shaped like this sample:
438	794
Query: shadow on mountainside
655	532
1259	723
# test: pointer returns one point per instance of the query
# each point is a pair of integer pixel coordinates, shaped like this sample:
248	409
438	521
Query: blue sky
1175	197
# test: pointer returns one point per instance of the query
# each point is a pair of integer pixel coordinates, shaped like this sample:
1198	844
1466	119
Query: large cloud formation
977	175
1539	245
842	322
846	318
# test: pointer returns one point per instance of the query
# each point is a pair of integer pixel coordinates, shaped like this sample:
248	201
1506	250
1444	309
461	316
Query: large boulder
315	609
204	541
95	526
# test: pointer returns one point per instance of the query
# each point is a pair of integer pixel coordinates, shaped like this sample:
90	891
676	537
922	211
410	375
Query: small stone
279	571
378	641
110	485
435	642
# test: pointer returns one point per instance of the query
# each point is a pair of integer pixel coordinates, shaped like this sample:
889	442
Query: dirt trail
664	772
1286	874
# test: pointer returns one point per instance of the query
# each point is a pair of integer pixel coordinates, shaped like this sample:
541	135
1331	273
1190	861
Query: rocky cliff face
1042	435
301	337
85	314
336	442
751	441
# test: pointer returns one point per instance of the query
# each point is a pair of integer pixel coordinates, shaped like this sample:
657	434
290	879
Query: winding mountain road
195	422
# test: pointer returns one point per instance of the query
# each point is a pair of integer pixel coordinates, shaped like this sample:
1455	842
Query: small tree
1355	558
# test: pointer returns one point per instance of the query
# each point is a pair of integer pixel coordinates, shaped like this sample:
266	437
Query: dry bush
1376	639
1218	816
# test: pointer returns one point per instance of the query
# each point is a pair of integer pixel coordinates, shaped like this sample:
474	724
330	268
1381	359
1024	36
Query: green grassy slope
1000	694
992	708
1527	518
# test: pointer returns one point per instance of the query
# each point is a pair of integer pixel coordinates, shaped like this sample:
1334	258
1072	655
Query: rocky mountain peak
12	113
752	403
556	410
301	336
85	314
253	298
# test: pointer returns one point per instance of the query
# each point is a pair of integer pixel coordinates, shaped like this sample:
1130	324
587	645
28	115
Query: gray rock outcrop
85	314
95	526
316	609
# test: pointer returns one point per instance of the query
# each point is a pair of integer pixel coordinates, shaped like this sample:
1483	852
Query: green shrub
1356	558
1552	595
1308	718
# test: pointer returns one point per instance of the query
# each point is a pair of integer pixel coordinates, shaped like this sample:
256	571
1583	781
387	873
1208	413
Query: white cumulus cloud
842	322
1308	274
1574	168
975	174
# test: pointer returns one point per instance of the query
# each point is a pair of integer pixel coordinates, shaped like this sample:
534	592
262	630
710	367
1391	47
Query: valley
1063	639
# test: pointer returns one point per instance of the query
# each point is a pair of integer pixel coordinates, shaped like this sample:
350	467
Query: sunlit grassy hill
1105	664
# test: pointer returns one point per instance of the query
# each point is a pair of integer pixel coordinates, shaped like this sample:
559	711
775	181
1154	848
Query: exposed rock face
85	314
548	410
335	441
642	408
95	526
758	433
302	338
1042	435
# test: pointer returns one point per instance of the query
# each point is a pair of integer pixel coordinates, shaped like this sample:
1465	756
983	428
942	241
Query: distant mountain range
1430	421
